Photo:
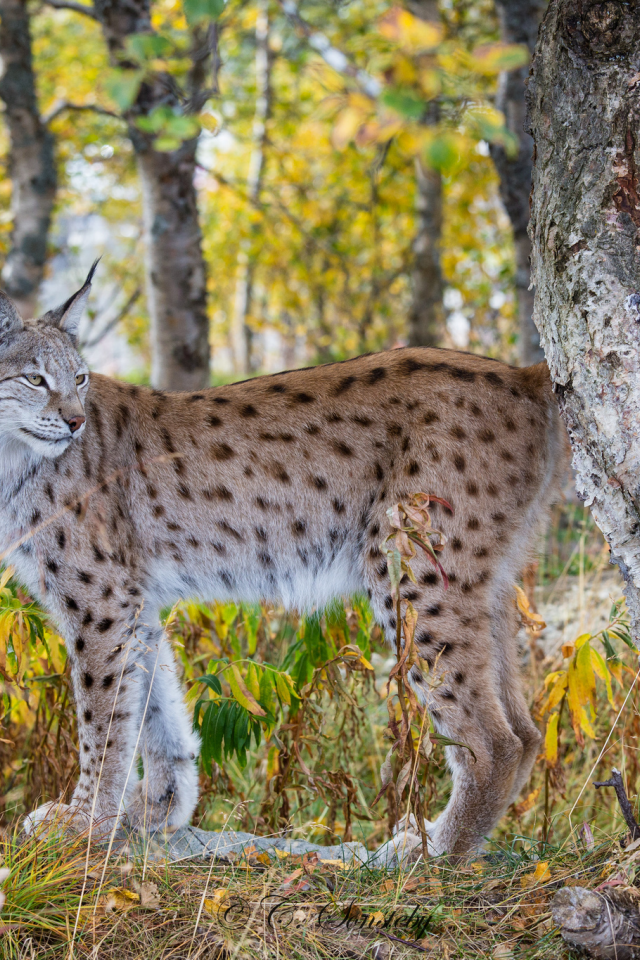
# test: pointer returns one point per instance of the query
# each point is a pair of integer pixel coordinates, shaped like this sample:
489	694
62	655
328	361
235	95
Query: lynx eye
35	379
81	379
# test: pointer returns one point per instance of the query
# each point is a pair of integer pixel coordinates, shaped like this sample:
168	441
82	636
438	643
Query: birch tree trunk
426	313
519	20
31	160
584	107
241	332
175	269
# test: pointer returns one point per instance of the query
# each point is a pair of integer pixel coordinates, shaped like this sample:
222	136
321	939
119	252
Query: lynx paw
167	806
55	817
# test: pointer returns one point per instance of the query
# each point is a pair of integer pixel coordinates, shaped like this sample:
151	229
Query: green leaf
198	10
211	681
442	154
404	102
146	46
123	85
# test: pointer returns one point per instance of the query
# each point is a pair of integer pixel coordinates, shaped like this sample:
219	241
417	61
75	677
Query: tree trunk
519	20
241	332
175	269
31	160
585	230
426	314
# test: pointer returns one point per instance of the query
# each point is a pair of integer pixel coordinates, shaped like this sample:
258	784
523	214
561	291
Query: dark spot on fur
430	578
52	566
473	523
388	602
492	490
344	385
458	433
425	637
459	373
375	375
304	398
342	448
338	506
184	491
361	420
472	489
280	473
61	539
221	451
103	625
71	603
298	527
459	463
158	511
80	644
248	410
312	429
220	400
410	366
214	421
413	469
430	417
487	436
265	559
87	679
107	681
319	483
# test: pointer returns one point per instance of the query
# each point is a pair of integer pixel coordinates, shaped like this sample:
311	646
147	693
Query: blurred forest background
303	184
272	185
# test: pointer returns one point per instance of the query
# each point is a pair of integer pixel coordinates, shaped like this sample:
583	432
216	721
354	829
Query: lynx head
43	378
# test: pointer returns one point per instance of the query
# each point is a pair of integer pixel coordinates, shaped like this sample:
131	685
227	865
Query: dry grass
64	902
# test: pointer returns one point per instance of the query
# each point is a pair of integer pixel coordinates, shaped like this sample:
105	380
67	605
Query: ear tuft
10	320
68	316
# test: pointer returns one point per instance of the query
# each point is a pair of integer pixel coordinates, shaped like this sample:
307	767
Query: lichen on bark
584	106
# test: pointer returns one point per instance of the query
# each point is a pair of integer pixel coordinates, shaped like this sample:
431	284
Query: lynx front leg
168	793
107	691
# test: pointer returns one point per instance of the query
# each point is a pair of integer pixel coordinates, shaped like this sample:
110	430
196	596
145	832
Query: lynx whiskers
275	489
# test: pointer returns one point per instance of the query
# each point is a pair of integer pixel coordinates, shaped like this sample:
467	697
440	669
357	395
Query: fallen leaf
117	900
282	854
148	893
216	904
375	919
528	616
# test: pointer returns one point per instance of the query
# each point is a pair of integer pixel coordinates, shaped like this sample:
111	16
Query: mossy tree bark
31	160
584	107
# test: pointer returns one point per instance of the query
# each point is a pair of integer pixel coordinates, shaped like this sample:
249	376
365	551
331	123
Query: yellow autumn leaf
528	616
541	874
601	670
582	639
411	33
283	688
557	692
551	740
5	576
346	126
216	903
282	854
253	681
568	650
375	919
241	693
119	899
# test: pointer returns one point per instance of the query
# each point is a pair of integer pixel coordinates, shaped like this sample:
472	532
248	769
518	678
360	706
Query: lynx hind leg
504	628
168	792
454	637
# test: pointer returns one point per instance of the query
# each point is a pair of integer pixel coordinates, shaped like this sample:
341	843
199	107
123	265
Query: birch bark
241	332
584	108
31	160
175	269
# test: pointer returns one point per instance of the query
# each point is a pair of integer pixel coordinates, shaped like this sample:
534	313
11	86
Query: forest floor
66	901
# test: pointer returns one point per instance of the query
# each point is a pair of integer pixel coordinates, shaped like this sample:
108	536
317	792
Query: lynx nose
75	423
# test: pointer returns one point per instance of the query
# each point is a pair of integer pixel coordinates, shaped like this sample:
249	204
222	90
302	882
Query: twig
623	800
61	105
88	11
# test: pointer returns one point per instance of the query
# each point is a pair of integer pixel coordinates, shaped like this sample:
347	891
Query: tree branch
61	105
88	11
623	800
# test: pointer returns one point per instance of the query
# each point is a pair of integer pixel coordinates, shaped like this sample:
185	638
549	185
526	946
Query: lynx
117	500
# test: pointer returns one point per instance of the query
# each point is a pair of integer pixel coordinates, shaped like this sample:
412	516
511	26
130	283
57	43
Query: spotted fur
274	489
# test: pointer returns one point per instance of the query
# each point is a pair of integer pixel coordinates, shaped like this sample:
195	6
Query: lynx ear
67	317
10	321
